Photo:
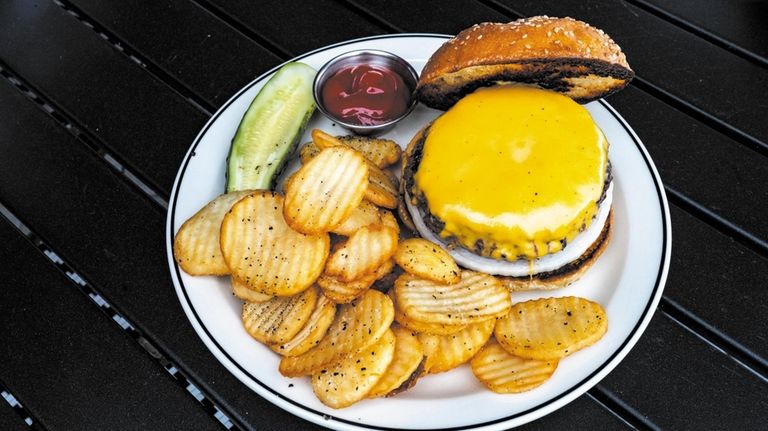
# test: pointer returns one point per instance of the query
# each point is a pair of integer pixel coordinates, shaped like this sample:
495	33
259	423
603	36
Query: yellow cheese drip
517	167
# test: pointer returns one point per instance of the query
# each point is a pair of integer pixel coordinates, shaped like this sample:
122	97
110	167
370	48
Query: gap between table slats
142	61
24	415
156	196
701	32
233	22
83	286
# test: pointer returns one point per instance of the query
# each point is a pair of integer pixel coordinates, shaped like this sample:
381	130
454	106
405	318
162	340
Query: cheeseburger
514	178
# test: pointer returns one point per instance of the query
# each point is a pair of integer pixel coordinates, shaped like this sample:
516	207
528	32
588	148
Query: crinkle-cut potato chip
384	269
196	245
365	214
402	209
242	291
314	330
326	190
342	292
351	379
415	325
548	328
325	140
308	152
426	328
428	260
382	189
279	319
364	251
388	219
445	352
262	251
381	152
394	179
477	297
357	326
507	374
387	280
405	367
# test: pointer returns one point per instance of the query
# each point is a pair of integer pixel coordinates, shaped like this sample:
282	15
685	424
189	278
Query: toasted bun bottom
567	273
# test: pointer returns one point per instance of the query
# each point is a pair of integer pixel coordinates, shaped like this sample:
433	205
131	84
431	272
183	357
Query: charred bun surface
560	54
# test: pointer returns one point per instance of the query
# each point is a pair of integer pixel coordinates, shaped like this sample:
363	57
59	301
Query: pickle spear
271	129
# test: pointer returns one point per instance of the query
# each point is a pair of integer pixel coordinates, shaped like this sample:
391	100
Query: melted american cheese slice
517	167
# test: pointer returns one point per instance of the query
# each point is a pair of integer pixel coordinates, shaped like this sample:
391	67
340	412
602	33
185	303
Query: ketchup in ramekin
366	95
366	91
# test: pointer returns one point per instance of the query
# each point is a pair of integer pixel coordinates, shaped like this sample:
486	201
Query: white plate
627	280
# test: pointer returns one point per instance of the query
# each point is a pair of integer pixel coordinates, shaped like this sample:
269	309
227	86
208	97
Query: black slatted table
99	102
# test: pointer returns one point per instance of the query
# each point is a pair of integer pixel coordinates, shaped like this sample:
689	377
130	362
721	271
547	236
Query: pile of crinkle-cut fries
329	285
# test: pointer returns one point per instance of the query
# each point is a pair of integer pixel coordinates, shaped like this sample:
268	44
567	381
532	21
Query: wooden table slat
692	158
680	382
141	119
721	280
296	26
73	367
581	412
450	16
9	419
736	23
204	54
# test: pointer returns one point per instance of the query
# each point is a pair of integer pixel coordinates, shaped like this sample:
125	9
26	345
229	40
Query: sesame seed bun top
561	54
